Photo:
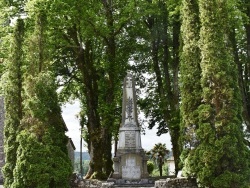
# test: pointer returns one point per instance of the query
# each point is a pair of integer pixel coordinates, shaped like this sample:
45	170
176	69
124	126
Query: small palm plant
158	155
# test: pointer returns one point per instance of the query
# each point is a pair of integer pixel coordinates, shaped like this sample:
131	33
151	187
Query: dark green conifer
222	158
42	153
190	79
13	101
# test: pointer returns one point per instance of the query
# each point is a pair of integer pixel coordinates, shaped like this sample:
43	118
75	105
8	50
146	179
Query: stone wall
1	137
163	183
176	183
71	151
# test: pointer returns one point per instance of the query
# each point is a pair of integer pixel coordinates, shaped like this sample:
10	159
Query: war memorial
130	162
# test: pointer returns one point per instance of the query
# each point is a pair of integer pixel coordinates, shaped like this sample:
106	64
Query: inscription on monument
130	139
131	171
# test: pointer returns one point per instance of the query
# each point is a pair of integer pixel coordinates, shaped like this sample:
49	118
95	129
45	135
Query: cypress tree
190	80
222	158
13	101
42	154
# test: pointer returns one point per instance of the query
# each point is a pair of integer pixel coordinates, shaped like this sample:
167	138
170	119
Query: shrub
150	166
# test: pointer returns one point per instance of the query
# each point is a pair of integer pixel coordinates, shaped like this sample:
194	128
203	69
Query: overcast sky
70	111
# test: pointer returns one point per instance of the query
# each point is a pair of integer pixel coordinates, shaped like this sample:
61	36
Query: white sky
70	111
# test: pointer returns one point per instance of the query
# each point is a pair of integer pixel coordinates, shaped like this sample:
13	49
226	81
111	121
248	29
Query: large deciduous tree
161	105
87	38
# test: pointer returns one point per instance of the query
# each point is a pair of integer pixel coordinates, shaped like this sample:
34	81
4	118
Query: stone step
149	186
134	186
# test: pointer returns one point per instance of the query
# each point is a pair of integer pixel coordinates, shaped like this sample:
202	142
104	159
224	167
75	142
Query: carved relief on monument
129	103
129	109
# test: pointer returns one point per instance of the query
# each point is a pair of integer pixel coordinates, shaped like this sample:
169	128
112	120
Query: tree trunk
243	87
108	166
111	83
175	133
168	91
85	65
110	101
247	72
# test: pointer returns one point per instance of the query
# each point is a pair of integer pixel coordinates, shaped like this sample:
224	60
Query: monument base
131	183
130	165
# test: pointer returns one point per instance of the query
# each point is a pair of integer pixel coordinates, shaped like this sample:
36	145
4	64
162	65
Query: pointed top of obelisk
129	110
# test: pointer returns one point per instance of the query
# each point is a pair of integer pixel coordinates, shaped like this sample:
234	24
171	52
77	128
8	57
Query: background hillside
85	155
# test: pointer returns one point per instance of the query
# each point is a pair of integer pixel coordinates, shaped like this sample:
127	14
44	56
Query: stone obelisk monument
130	162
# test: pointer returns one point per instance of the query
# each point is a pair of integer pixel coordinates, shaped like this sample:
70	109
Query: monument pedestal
130	165
130	162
